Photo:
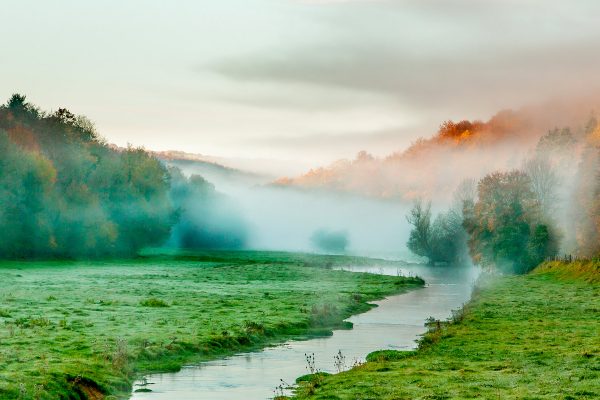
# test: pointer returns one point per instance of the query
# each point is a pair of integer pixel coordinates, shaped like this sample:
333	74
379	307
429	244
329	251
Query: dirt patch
90	392
86	388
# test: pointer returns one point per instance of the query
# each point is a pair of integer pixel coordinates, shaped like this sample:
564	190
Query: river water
395	324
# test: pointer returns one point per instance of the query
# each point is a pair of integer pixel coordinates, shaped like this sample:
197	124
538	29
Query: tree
506	229
556	140
330	241
587	197
440	240
544	183
19	108
464	195
420	236
207	219
64	193
542	244
446	238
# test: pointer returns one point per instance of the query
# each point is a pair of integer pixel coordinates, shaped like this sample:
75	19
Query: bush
389	355
330	241
153	302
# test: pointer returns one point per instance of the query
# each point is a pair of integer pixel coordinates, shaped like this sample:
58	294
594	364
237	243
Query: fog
368	198
286	218
434	165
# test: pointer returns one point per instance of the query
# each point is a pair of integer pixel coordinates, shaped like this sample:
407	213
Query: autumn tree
587	197
506	229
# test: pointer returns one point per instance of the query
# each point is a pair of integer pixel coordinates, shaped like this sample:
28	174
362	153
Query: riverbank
530	336
87	329
394	324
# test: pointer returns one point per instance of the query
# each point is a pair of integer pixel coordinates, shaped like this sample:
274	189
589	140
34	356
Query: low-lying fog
280	218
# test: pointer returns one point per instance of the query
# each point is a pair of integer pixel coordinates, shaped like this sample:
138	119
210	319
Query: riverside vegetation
532	336
77	330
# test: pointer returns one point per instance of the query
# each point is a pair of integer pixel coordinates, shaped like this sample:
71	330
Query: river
395	324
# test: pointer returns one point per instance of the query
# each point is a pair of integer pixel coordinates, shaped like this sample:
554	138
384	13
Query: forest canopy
65	193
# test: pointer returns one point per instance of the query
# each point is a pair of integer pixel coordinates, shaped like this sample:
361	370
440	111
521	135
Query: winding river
395	324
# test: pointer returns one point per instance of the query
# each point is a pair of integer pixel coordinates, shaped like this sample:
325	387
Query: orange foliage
460	131
23	137
433	165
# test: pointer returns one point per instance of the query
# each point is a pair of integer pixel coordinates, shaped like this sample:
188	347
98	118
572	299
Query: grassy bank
521	337
86	329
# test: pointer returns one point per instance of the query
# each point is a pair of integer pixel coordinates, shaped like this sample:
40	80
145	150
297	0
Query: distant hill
435	166
220	175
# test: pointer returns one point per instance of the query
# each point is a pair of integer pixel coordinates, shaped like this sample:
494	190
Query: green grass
521	337
87	329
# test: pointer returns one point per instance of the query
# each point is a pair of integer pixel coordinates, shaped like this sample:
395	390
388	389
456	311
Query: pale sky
309	81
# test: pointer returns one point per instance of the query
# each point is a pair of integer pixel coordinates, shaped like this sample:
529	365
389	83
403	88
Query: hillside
211	170
435	166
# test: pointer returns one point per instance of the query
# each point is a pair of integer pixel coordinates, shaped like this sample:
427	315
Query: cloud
342	145
320	2
439	57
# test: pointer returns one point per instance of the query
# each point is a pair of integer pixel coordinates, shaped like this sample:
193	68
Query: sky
302	81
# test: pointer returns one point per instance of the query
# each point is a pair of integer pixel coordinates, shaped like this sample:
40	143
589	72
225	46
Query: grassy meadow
534	336
87	329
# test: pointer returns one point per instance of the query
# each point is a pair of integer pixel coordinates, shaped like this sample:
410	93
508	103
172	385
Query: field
87	329
535	336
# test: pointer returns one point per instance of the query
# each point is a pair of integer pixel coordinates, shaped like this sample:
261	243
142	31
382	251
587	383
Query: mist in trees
65	193
513	220
586	196
569	176
440	240
501	221
207	219
543	183
506	227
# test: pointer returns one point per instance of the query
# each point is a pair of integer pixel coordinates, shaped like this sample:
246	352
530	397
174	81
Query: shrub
330	241
153	302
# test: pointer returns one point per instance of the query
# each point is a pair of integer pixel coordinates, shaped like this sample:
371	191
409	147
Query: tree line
66	193
513	220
